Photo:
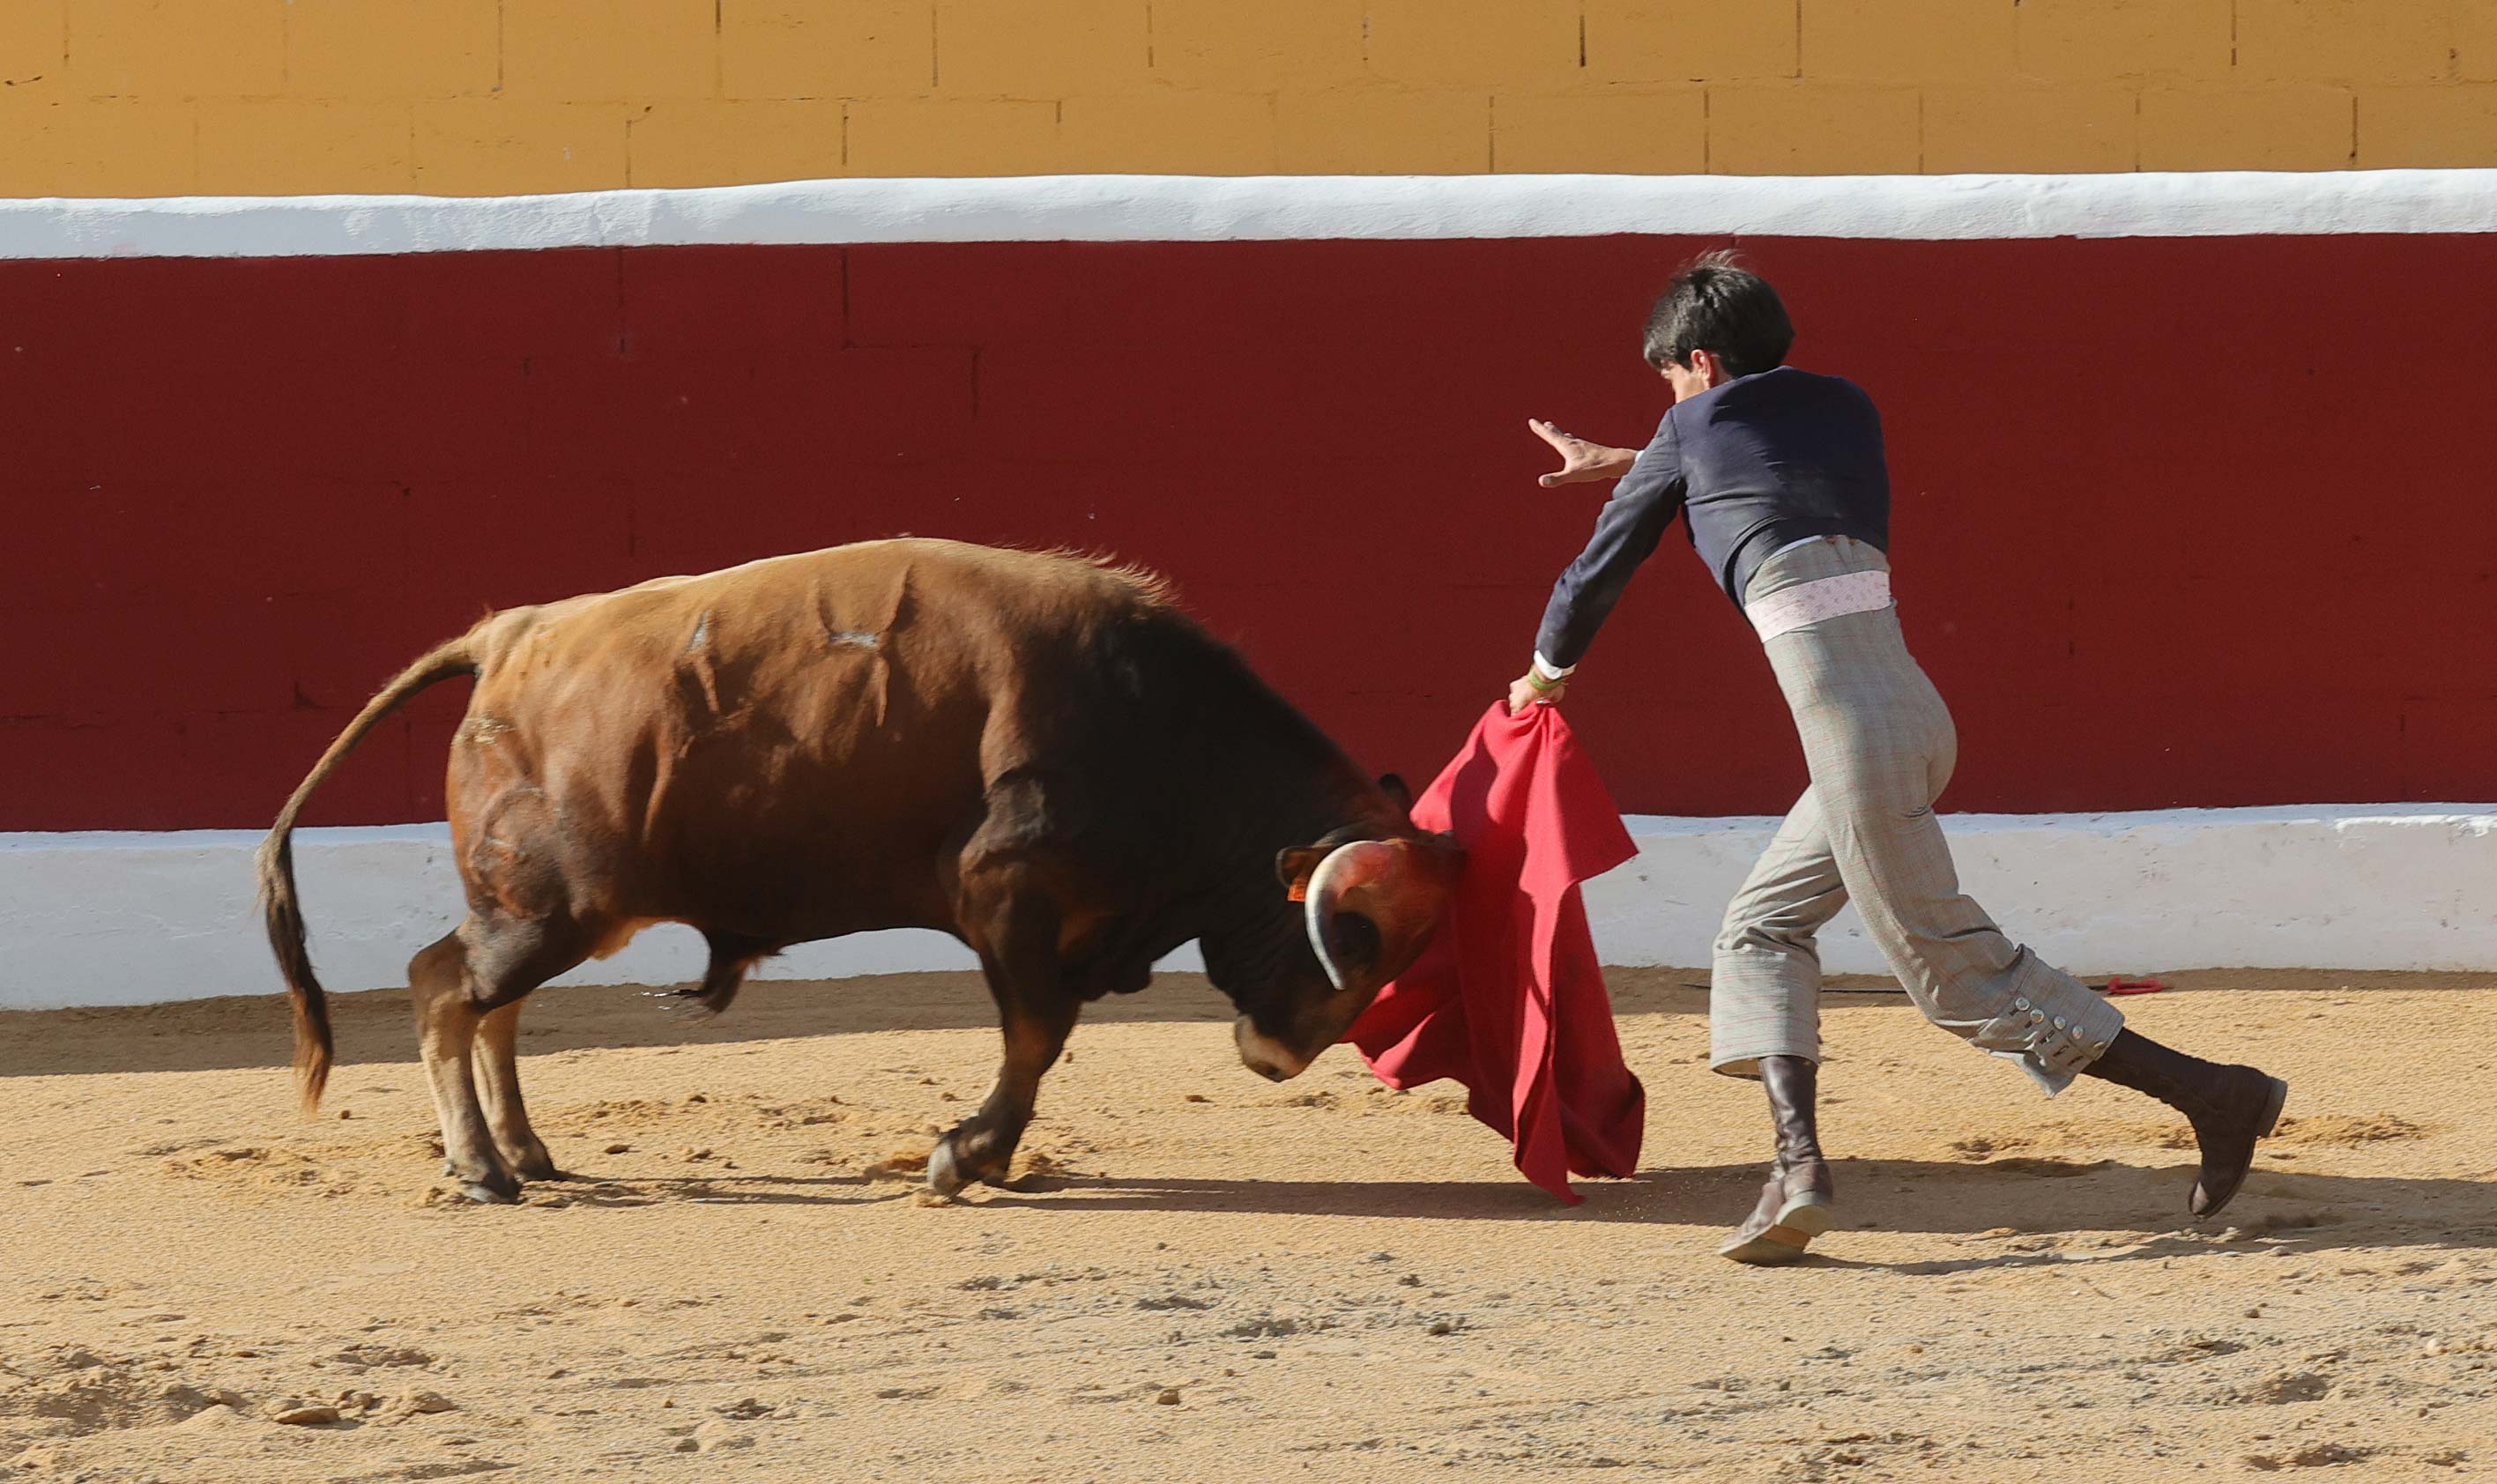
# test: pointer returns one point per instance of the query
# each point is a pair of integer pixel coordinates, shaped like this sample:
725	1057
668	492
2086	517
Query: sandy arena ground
1207	1278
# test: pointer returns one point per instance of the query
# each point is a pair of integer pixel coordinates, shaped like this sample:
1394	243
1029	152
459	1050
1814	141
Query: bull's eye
1353	938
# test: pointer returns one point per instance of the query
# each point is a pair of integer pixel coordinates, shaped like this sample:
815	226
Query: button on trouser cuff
2053	1026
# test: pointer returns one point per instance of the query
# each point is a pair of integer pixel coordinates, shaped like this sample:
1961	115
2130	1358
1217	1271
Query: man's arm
1633	521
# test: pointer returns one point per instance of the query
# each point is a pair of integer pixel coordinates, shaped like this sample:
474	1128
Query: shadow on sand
376	1025
1997	1203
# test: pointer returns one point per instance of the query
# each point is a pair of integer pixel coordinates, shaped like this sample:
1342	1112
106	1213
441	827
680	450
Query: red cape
1508	999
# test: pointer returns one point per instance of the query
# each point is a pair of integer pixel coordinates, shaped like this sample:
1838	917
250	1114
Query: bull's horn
1347	869
1398	887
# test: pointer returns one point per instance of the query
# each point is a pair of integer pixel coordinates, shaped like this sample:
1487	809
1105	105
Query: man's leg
1764	1022
1974	982
1948	955
1764	982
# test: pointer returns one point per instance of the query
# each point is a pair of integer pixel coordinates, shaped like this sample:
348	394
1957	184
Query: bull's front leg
1018	953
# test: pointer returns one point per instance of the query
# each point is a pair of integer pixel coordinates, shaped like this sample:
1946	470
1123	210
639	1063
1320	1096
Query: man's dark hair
1717	304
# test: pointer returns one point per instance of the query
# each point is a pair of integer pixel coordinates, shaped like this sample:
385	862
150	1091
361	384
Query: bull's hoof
968	1152
499	1189
945	1175
539	1166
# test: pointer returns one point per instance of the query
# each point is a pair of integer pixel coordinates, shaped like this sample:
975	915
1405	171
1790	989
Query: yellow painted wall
471	97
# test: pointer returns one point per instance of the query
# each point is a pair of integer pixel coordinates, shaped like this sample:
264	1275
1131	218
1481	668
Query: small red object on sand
1508	999
2122	986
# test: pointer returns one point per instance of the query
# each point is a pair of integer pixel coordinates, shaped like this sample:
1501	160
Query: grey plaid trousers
1880	746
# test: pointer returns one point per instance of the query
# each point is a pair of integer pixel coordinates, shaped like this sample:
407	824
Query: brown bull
1035	753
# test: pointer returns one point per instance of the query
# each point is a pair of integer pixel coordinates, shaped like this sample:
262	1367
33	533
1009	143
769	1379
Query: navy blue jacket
1757	464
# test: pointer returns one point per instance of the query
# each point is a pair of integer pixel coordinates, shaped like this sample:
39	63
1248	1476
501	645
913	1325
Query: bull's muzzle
1265	1056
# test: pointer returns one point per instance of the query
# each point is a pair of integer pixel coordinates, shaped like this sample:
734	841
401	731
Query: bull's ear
1394	788
1294	868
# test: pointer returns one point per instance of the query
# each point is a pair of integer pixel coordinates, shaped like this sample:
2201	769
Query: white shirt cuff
1550	671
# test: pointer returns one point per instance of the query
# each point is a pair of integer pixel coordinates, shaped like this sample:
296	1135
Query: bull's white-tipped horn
1344	868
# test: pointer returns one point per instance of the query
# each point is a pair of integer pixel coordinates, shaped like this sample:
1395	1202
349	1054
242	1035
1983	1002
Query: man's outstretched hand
1580	460
1523	692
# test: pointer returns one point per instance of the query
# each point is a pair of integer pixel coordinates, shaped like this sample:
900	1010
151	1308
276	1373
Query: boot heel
1809	1215
1774	1247
1778	1234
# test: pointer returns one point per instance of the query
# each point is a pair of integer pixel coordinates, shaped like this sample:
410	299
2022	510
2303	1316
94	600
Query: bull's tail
278	905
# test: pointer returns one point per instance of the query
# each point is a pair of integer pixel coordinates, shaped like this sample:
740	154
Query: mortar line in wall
2232	34
1149	35
935	58
499	6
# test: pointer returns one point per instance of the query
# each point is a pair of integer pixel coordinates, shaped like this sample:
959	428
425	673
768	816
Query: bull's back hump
776	616
989	576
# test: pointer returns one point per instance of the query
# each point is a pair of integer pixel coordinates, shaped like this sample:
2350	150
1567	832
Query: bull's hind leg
445	1035
1020	956
498	1090
475	976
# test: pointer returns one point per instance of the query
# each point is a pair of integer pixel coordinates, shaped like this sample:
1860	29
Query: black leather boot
2230	1106
1796	1204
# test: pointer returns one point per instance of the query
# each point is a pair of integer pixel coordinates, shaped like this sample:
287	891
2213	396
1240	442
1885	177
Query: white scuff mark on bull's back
481	730
860	618
704	705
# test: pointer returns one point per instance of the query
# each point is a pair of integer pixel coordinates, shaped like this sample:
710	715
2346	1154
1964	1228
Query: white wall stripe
109	919
1104	208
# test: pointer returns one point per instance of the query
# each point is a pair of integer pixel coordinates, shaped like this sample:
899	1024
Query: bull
1038	754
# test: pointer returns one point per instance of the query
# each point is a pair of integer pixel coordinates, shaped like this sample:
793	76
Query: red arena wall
2176	522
